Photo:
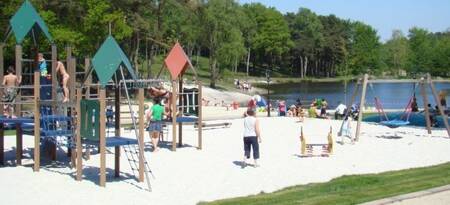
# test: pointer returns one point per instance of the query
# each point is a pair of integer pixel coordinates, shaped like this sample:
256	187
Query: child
252	137
155	116
61	71
10	81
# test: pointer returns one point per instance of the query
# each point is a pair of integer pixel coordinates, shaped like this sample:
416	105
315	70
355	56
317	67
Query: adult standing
155	117
340	111
252	137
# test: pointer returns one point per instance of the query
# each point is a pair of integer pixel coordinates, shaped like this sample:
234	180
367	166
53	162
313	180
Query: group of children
11	83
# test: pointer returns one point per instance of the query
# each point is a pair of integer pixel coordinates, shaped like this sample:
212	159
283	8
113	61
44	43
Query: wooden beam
200	115
72	78
2	144
37	125
425	105
102	145
117	130
393	81
2	72
79	148
18	73
87	65
141	134
438	103
54	77
19	143
181	103
361	106
2	132
174	115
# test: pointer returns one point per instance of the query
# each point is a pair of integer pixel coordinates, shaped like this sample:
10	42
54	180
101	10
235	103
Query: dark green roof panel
108	59
25	19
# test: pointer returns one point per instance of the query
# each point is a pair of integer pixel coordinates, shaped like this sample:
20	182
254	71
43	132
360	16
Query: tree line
249	38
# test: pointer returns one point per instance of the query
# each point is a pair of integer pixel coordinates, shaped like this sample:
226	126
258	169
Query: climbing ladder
133	152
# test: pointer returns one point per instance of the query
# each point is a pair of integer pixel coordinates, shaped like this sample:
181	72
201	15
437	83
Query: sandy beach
189	176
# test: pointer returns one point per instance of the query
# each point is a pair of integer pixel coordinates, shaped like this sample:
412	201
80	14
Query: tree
307	33
397	51
420	44
271	39
365	50
222	34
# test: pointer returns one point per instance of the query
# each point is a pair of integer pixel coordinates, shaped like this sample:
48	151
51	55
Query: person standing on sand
155	117
252	137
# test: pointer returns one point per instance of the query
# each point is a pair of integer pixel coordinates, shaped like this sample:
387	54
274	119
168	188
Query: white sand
189	175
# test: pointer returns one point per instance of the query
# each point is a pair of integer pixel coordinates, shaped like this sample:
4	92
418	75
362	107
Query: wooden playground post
73	79
87	65
78	136
54	78
37	125
181	104
425	105
18	73
102	145
2	71
117	130
200	115
438	103
174	115
2	133
361	106
141	134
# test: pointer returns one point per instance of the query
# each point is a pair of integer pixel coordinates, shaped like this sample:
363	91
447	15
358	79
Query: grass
353	189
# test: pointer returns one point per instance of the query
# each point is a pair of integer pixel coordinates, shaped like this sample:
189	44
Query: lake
391	95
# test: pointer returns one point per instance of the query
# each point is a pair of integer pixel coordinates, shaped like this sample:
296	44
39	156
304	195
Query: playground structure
177	62
393	123
47	111
81	123
310	150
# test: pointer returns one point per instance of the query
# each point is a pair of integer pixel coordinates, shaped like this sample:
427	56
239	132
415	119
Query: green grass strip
354	189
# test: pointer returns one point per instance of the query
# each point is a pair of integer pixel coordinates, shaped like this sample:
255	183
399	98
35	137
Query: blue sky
383	15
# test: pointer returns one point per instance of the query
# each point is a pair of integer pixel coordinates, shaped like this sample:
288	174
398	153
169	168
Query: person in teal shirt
155	116
42	65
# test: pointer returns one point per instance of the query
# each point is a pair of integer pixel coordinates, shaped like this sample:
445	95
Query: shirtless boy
10	82
64	77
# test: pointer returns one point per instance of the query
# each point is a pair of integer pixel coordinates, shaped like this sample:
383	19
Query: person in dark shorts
10	83
155	116
252	137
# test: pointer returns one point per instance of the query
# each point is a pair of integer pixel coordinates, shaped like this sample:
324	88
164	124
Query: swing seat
394	123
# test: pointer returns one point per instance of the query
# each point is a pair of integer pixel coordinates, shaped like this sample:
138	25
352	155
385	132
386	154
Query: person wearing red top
251	104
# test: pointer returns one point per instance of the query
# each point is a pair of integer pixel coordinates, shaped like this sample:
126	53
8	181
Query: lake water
391	95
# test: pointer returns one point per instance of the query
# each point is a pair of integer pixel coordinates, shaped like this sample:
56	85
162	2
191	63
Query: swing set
402	119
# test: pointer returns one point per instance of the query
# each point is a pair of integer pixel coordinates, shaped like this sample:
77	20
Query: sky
383	15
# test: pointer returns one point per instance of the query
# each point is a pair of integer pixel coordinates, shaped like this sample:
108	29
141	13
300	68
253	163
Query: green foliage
365	50
302	44
395	53
271	38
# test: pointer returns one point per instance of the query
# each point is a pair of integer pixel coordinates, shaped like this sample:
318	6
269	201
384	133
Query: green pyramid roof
25	19
108	59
